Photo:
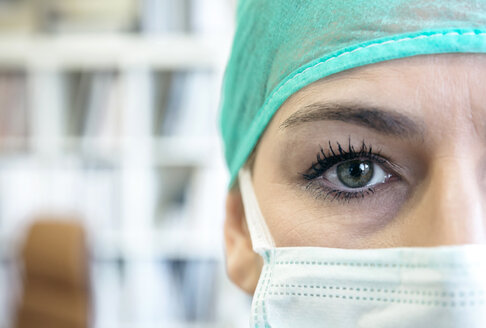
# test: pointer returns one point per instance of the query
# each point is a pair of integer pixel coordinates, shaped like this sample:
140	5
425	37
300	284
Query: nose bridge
451	204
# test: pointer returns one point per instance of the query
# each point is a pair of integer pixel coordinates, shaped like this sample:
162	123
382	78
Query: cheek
294	219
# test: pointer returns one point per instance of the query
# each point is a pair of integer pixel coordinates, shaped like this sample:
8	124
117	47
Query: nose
448	207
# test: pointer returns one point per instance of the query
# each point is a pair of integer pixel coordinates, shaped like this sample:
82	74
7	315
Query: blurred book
195	282
212	17
6	291
94	107
202	17
169	290
68	16
13	109
197	112
74	16
189	110
78	94
17	17
175	103
173	185
102	108
165	16
108	290
162	86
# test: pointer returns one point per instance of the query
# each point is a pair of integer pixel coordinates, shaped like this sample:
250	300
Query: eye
356	174
348	173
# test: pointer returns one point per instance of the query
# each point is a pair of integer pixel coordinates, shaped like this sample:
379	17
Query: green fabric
281	46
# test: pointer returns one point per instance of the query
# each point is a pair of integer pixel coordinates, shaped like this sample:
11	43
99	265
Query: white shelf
167	324
161	244
179	151
111	51
169	151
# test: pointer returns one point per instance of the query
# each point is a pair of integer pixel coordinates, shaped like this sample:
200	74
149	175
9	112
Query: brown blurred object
55	277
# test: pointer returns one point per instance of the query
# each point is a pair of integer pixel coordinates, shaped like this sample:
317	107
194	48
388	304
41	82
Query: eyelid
334	167
326	162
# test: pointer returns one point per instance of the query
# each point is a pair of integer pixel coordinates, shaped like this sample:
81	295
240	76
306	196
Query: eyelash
326	161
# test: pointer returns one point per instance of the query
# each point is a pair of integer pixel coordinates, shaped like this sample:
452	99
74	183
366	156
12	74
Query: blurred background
109	135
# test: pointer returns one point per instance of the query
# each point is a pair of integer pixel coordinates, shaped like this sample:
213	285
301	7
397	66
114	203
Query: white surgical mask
434	287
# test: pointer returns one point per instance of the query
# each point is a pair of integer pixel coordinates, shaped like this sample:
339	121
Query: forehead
401	68
408	83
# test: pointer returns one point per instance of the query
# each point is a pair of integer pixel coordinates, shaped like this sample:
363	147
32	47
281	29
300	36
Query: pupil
356	170
355	174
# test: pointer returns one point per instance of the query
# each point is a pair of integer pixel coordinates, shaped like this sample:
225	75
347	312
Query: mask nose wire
260	234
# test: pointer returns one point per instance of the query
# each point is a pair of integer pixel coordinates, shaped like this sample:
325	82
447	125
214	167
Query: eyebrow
384	121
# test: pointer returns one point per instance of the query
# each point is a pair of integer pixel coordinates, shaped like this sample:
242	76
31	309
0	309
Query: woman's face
385	155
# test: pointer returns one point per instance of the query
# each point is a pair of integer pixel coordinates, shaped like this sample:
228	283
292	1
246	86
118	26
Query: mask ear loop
259	233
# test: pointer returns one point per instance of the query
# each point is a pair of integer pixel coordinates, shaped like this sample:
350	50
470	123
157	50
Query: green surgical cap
280	46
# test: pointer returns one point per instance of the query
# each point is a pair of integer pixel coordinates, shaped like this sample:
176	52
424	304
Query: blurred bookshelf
108	113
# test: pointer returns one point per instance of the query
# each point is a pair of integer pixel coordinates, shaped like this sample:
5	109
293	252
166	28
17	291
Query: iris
356	173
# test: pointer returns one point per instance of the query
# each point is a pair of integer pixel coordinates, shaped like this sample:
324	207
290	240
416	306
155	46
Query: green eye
356	173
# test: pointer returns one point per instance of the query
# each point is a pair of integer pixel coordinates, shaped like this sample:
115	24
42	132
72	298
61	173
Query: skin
436	187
